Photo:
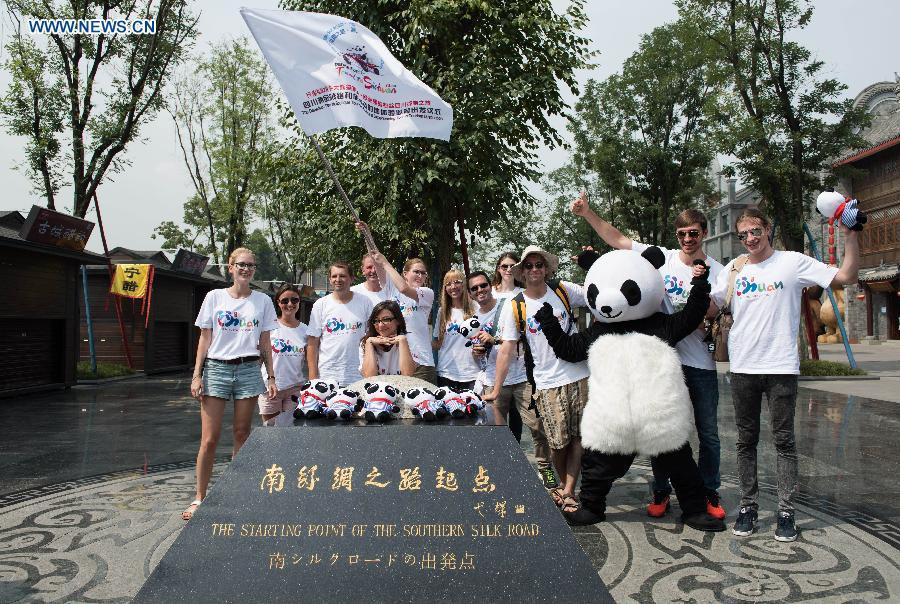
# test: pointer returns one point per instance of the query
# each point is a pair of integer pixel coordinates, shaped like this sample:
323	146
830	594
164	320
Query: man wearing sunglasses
696	360
762	348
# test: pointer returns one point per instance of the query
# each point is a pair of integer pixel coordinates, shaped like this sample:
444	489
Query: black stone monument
407	512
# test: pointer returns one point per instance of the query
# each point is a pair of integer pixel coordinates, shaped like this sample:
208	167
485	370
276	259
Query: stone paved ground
92	483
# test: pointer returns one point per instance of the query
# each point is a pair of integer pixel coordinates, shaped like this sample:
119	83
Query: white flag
335	73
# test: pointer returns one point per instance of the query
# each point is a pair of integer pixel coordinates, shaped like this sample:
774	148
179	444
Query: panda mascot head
311	401
637	399
379	401
469	328
623	285
422	404
343	404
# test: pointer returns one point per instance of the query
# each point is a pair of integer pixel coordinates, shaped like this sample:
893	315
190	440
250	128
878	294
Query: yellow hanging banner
131	280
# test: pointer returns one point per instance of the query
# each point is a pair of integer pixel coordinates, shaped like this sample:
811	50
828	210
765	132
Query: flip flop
189	512
557	495
569	505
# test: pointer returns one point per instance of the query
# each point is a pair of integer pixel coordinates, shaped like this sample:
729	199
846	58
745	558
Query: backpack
519	310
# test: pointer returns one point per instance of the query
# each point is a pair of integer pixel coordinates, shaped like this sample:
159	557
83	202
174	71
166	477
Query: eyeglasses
420	273
506	267
286	301
694	234
479	286
756	232
528	265
247	266
383	321
456	282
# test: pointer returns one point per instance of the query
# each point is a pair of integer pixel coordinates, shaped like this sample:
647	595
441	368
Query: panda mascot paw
312	399
422	404
837	208
379	402
343	404
468	329
544	314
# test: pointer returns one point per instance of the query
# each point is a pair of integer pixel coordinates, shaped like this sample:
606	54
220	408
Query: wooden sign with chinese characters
401	513
189	262
53	228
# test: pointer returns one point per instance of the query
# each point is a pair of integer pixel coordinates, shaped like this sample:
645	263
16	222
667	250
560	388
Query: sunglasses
286	301
479	286
757	232
383	321
506	267
247	266
528	265
694	234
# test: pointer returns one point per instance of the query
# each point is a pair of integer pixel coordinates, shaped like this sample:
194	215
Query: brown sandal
558	496
569	504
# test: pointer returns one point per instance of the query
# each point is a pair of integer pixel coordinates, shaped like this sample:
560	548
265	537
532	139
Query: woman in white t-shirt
505	285
234	339
385	349
456	367
288	342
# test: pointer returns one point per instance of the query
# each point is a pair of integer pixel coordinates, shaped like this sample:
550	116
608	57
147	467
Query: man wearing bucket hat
560	386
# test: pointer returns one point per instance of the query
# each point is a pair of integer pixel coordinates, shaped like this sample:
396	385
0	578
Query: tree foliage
783	120
644	132
80	99
500	65
223	120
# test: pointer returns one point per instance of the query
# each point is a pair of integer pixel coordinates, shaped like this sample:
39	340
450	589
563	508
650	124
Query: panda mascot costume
638	403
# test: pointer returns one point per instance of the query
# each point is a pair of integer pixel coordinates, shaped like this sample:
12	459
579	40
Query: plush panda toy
312	399
343	404
452	401
379	402
423	405
468	329
837	208
638	403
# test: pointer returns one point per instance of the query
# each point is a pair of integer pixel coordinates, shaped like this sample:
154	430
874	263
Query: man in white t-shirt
561	386
697	363
337	323
374	281
516	389
762	348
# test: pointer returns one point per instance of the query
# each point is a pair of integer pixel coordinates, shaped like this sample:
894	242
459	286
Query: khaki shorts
280	404
561	409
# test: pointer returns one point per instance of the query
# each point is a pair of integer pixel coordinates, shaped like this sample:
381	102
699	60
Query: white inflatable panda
638	403
379	402
311	401
343	404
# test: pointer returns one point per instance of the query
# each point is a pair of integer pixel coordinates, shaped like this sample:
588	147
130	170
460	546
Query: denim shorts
222	380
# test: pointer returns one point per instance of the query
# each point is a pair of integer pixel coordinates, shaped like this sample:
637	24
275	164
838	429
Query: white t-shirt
677	282
549	371
455	361
516	373
416	314
388	361
339	328
236	323
288	355
373	297
766	310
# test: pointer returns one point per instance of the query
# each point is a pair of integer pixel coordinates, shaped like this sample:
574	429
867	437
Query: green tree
644	132
784	120
500	65
90	93
223	117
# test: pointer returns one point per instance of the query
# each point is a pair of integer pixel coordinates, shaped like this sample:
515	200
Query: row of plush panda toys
381	402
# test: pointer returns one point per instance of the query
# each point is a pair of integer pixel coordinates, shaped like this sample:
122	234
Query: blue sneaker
746	522
786	530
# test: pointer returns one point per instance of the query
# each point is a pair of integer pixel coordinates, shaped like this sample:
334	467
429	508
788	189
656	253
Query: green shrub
104	370
827	368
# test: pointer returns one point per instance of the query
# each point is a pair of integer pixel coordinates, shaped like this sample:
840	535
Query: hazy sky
852	38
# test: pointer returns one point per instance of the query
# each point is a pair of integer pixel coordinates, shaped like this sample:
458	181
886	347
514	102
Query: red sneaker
660	505
713	506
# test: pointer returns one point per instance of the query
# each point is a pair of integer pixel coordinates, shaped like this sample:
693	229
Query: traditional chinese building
39	311
168	340
873	307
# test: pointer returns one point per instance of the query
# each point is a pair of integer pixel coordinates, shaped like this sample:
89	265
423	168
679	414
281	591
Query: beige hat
551	261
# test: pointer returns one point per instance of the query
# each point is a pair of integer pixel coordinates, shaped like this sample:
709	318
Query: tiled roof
883	132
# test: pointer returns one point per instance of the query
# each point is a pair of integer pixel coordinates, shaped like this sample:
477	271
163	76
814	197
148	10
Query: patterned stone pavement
95	538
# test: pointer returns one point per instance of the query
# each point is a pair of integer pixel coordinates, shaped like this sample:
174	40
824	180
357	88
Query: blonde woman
456	367
234	323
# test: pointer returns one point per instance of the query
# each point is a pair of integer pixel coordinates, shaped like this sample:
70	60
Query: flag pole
370	243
